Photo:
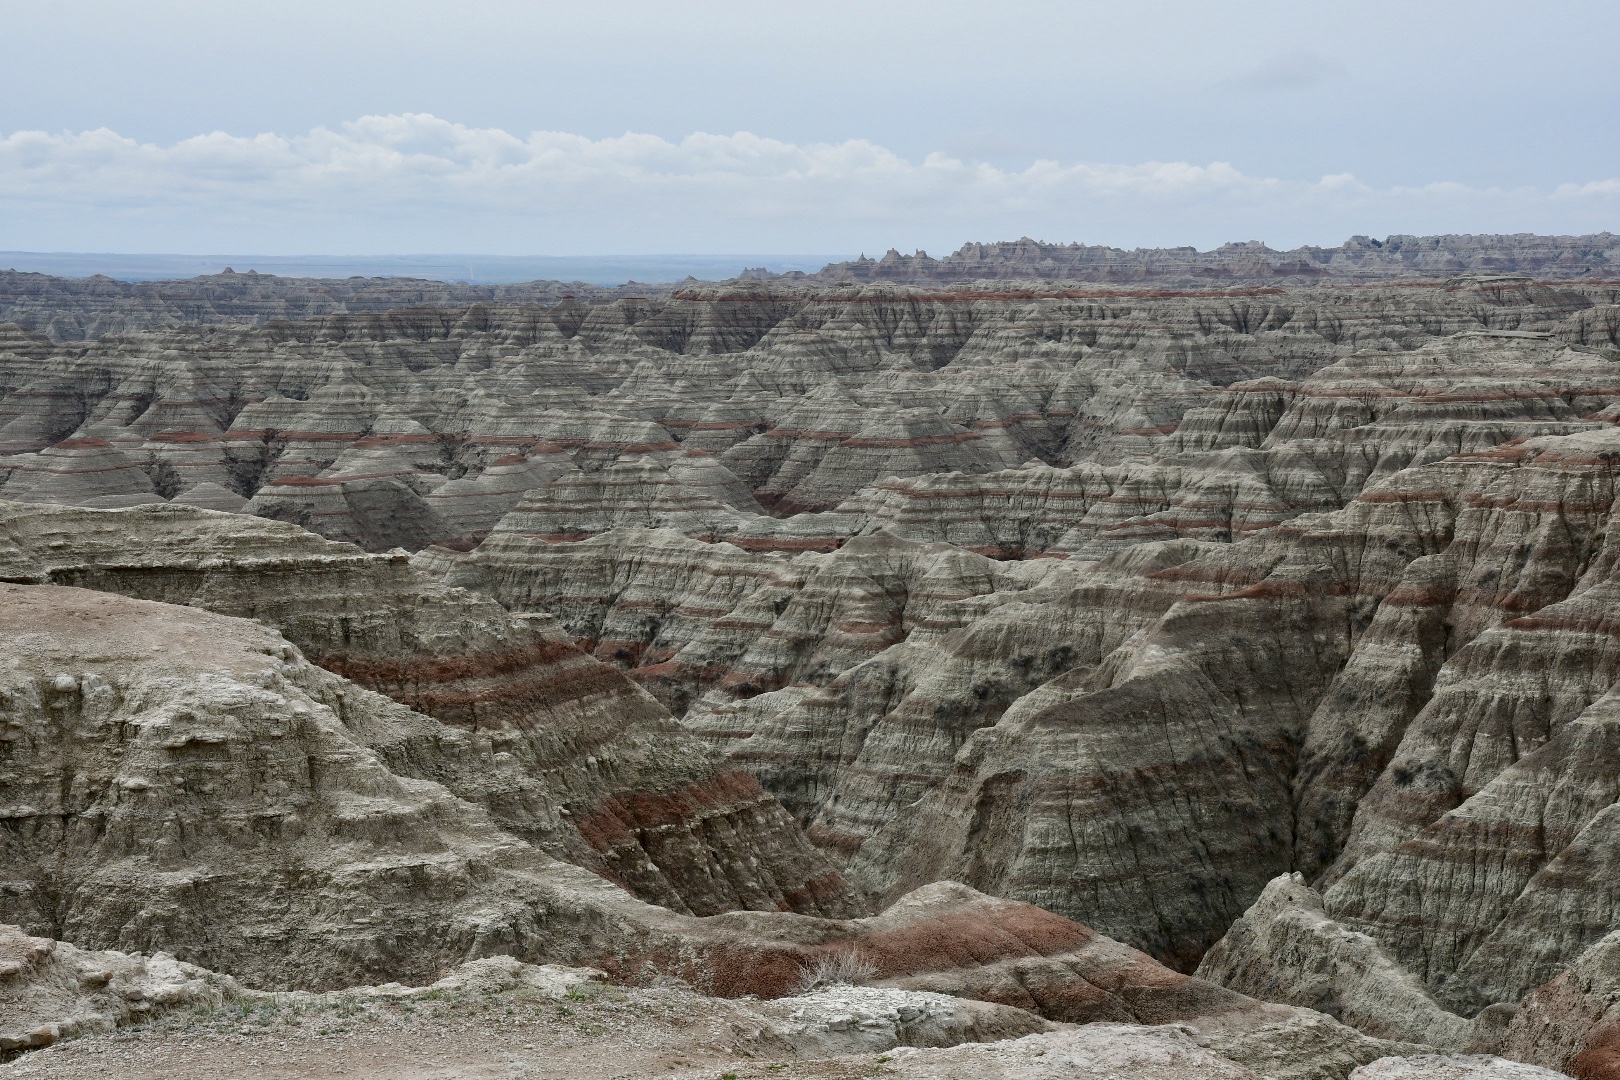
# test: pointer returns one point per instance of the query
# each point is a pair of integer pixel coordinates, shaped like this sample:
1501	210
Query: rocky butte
1041	661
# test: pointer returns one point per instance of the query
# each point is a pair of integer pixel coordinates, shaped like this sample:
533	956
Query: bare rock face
69	309
50	990
1264	452
694	495
57	992
1240	686
154	748
1505	621
1092	1052
808	463
470	507
1572	1022
691	628
560	749
1288	667
1162	1052
189	778
828	1026
846	1019
713	621
1265	630
1443	1067
370	496
211	496
79	472
1286	948
54	991
178	779
1404	929
349	423
1358	259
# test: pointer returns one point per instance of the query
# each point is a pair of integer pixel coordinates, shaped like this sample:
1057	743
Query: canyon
1177	661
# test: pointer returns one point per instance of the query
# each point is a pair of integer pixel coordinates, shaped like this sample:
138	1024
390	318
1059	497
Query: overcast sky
600	126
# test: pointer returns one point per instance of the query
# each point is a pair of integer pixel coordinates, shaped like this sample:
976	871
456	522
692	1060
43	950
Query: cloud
414	182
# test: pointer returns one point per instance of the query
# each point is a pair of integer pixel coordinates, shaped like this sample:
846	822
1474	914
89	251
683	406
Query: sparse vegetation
847	967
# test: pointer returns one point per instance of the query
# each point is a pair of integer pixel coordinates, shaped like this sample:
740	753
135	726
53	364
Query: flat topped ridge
1360	258
81	628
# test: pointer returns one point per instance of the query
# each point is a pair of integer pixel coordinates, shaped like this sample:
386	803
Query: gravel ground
512	1034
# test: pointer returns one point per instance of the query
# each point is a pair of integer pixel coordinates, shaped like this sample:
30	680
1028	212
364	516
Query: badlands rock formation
903	698
55	992
706	408
50	990
839	1030
69	309
1358	259
1265	630
188	779
558	748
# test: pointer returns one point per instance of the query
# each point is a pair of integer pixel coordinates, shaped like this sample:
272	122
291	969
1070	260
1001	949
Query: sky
621	127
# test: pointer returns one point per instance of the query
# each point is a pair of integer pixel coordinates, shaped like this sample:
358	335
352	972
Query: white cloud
417	183
1598	188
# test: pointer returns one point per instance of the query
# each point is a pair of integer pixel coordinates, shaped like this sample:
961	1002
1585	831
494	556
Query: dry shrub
847	967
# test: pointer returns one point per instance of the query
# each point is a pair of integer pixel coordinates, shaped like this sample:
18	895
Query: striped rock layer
1327	589
559	749
188	781
349	424
1386	697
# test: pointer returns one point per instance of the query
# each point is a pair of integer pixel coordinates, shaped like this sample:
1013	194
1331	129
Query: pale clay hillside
1043	661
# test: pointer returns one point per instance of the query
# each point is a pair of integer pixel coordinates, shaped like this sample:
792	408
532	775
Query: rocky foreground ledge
95	1013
